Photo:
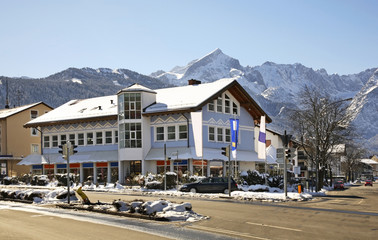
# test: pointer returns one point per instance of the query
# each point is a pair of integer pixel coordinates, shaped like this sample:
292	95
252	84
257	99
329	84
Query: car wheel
193	190
225	191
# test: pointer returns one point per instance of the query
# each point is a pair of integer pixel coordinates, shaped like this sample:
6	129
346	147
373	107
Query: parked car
210	185
338	185
368	182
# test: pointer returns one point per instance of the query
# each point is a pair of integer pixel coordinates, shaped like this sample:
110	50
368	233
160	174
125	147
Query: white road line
217	230
271	226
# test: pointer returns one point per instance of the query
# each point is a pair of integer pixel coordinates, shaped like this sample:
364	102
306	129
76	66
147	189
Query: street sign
292	153
297	170
280	153
280	160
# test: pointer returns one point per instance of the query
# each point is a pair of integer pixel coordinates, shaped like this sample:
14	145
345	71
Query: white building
126	134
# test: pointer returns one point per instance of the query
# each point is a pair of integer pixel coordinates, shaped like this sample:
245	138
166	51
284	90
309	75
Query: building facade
17	142
149	131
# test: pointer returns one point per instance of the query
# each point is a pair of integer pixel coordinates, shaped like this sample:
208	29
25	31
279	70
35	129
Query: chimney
193	82
111	101
99	108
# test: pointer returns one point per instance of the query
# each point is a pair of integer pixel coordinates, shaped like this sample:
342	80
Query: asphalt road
348	214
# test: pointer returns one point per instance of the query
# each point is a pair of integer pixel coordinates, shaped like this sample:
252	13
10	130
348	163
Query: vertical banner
197	132
261	146
234	135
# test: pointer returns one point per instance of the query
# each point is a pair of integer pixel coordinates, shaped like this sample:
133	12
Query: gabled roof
168	101
5	113
194	97
136	88
79	110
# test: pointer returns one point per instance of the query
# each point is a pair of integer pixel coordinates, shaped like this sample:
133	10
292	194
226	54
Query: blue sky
41	37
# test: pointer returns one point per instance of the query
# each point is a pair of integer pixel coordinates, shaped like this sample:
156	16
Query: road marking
271	226
217	230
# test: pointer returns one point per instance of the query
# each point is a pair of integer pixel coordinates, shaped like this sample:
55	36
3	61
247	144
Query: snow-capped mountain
276	86
364	111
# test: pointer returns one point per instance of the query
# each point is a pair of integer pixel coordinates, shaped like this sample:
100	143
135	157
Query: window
211	134
219	105
98	137
63	139
183	132
121	110
171	132
227	104
80	139
228	135
116	136
33	114
131	135
220	134
55	141
34	132
235	108
108	137
89	138
132	106
159	133
46	141
211	106
34	148
72	138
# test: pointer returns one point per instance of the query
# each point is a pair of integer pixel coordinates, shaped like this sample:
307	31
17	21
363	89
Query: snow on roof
137	88
4	113
189	96
368	161
80	109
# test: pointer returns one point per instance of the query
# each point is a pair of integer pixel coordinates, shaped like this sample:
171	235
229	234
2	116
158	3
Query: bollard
299	189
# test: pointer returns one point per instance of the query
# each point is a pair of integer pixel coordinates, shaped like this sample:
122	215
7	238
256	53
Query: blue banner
234	134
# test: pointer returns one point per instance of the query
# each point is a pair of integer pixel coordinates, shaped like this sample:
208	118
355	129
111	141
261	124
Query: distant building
126	134
17	142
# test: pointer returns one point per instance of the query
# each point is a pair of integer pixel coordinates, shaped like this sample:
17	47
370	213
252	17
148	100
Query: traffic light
287	153
63	150
73	149
226	151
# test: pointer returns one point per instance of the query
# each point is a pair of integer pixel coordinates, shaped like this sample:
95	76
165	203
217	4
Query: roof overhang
70	121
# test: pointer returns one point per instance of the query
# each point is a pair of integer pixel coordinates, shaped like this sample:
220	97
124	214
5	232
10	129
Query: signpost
280	155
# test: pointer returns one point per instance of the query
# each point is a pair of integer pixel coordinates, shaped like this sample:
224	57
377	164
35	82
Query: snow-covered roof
184	98
368	161
190	96
137	88
79	109
4	113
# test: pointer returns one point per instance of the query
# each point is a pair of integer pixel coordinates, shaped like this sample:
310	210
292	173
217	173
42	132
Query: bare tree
321	122
352	160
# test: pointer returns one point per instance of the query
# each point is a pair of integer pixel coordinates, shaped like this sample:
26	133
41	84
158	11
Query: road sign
280	153
292	152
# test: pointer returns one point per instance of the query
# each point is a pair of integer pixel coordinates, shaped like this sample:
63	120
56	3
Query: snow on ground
51	194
